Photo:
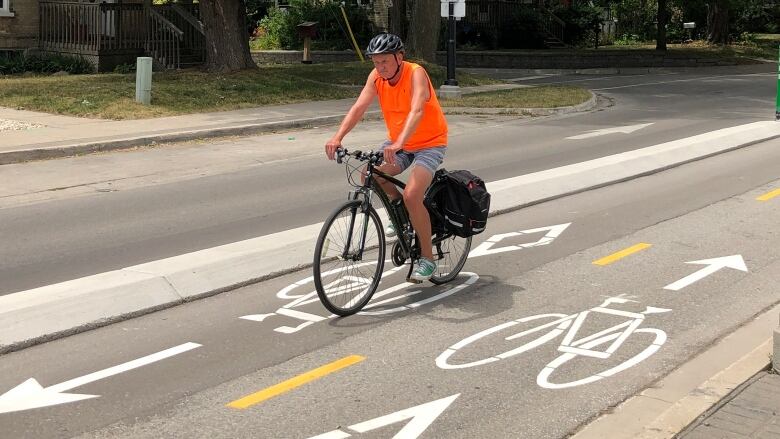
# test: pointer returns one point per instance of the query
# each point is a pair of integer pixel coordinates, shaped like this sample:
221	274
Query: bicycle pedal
413	281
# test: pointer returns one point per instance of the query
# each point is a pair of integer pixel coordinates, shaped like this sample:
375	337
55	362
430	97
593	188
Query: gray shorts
428	158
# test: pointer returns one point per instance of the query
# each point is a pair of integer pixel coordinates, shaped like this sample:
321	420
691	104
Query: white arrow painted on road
486	248
421	417
712	265
603	132
30	394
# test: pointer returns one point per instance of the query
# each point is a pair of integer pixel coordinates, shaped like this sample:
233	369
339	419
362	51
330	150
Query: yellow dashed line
769	195
292	383
621	254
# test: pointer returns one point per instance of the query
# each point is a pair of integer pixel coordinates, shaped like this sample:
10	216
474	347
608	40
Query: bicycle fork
358	255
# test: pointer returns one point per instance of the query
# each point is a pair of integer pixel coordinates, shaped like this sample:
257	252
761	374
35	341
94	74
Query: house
18	24
106	32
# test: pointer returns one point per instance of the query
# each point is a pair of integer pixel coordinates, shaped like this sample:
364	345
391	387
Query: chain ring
399	258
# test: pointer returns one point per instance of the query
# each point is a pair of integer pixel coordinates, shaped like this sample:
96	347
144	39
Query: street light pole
450	89
451	47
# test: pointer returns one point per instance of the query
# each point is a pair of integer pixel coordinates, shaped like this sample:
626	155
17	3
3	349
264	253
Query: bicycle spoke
349	264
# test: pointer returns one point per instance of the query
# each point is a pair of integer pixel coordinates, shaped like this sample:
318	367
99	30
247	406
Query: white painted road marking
735	261
30	394
421	417
388	296
486	248
603	132
570	348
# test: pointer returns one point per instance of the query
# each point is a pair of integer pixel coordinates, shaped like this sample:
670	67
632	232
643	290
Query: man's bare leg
418	183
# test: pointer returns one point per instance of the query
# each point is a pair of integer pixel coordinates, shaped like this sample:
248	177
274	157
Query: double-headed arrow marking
30	394
712	265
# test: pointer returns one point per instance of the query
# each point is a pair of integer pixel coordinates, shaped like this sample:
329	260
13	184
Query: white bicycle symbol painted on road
406	296
569	347
398	298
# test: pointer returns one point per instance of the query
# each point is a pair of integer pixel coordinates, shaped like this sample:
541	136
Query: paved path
751	413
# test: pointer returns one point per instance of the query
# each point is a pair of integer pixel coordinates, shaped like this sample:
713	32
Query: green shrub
45	63
278	29
627	40
275	31
521	30
582	22
748	39
124	68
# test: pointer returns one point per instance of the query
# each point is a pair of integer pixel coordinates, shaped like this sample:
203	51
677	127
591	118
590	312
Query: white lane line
679	80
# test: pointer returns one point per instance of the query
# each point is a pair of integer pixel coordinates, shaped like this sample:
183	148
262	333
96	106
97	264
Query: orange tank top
396	102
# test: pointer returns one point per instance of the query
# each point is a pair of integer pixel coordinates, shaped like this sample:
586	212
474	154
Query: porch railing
187	18
163	40
90	28
552	25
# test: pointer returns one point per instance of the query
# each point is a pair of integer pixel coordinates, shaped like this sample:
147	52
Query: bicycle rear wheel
347	274
454	251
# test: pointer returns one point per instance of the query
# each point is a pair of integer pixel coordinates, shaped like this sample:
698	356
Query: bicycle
352	239
570	348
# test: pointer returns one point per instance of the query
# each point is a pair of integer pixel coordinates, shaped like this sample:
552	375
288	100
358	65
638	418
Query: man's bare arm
420	95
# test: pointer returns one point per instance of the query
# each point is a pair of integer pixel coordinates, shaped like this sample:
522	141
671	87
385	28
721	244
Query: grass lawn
529	97
764	46
111	96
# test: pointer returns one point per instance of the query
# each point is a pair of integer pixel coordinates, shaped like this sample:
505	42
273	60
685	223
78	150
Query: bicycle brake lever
340	153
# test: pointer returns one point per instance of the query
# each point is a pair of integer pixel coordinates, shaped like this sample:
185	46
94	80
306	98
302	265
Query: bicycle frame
371	186
408	242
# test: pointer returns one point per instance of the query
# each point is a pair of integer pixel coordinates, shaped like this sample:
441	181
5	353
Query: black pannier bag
458	203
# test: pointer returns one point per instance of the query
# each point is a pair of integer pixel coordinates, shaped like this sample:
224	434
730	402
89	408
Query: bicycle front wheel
349	258
451	252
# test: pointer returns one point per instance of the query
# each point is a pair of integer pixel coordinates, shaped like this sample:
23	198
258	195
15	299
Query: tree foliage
278	29
718	21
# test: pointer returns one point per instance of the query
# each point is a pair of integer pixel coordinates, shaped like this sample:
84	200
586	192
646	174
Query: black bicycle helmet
384	43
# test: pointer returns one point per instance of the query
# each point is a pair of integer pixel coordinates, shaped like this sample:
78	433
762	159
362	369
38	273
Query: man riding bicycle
416	131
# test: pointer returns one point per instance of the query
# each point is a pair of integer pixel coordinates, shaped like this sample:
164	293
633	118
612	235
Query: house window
5	8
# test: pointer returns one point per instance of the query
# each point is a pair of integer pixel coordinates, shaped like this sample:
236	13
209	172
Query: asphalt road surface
448	367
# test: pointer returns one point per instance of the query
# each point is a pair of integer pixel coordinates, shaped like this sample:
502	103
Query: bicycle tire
329	289
452	245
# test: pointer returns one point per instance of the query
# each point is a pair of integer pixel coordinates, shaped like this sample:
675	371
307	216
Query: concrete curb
612	70
69	150
27	317
536	112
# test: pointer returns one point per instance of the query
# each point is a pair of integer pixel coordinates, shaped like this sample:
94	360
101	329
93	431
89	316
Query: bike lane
189	393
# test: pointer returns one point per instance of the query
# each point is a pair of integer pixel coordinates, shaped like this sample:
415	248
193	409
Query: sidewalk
750	412
48	136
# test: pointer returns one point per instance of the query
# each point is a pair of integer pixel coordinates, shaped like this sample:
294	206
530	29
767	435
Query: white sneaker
390	231
423	270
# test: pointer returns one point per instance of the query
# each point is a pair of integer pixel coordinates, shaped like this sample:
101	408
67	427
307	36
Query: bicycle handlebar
372	157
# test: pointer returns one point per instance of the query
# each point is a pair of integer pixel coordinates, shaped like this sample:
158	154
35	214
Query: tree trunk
662	18
398	18
423	36
227	41
718	22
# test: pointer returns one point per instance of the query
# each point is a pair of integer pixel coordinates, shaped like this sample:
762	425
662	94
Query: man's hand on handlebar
331	146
